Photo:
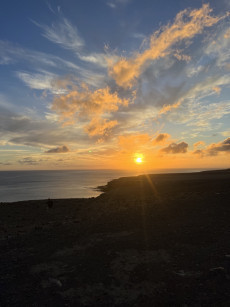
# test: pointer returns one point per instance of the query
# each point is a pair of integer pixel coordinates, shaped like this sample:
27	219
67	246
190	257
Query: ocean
31	185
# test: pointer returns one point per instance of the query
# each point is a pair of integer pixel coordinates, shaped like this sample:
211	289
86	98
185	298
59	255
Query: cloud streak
64	34
60	149
29	161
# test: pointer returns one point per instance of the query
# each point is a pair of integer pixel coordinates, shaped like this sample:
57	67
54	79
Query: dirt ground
156	240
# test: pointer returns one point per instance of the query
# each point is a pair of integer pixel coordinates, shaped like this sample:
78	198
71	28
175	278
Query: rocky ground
157	240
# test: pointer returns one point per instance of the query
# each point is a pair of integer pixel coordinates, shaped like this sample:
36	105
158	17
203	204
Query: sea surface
31	185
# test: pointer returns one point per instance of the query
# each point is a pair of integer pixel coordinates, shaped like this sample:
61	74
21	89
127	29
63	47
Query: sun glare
138	158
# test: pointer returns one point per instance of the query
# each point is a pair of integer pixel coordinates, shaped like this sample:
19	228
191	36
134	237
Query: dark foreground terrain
157	240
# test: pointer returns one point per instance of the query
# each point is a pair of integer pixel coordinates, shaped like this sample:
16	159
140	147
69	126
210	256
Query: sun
139	160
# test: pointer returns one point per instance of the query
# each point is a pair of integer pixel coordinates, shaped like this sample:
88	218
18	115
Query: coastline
146	240
61	184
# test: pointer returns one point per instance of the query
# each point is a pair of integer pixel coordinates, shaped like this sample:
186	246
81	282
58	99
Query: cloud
38	66
187	24
92	106
198	144
111	4
42	63
29	161
60	149
208	86
5	60
161	138
99	59
199	114
182	57
37	132
218	47
167	108
214	149
35	58
174	148
114	3
39	81
100	127
5	163
225	133
64	34
217	89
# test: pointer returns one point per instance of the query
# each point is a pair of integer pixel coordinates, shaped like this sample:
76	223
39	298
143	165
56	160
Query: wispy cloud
200	115
40	81
167	108
219	47
64	34
40	67
114	3
99	59
38	59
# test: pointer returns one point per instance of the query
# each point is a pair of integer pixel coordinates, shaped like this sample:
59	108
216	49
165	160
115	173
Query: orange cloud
187	24
90	105
167	108
86	103
100	127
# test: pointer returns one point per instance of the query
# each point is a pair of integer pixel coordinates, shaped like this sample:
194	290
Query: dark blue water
27	185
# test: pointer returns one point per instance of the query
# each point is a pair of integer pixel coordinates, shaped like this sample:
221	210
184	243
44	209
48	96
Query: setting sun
139	160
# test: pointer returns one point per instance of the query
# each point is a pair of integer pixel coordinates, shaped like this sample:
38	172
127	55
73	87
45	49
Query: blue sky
95	84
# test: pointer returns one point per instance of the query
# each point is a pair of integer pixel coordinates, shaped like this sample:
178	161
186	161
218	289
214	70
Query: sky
114	84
